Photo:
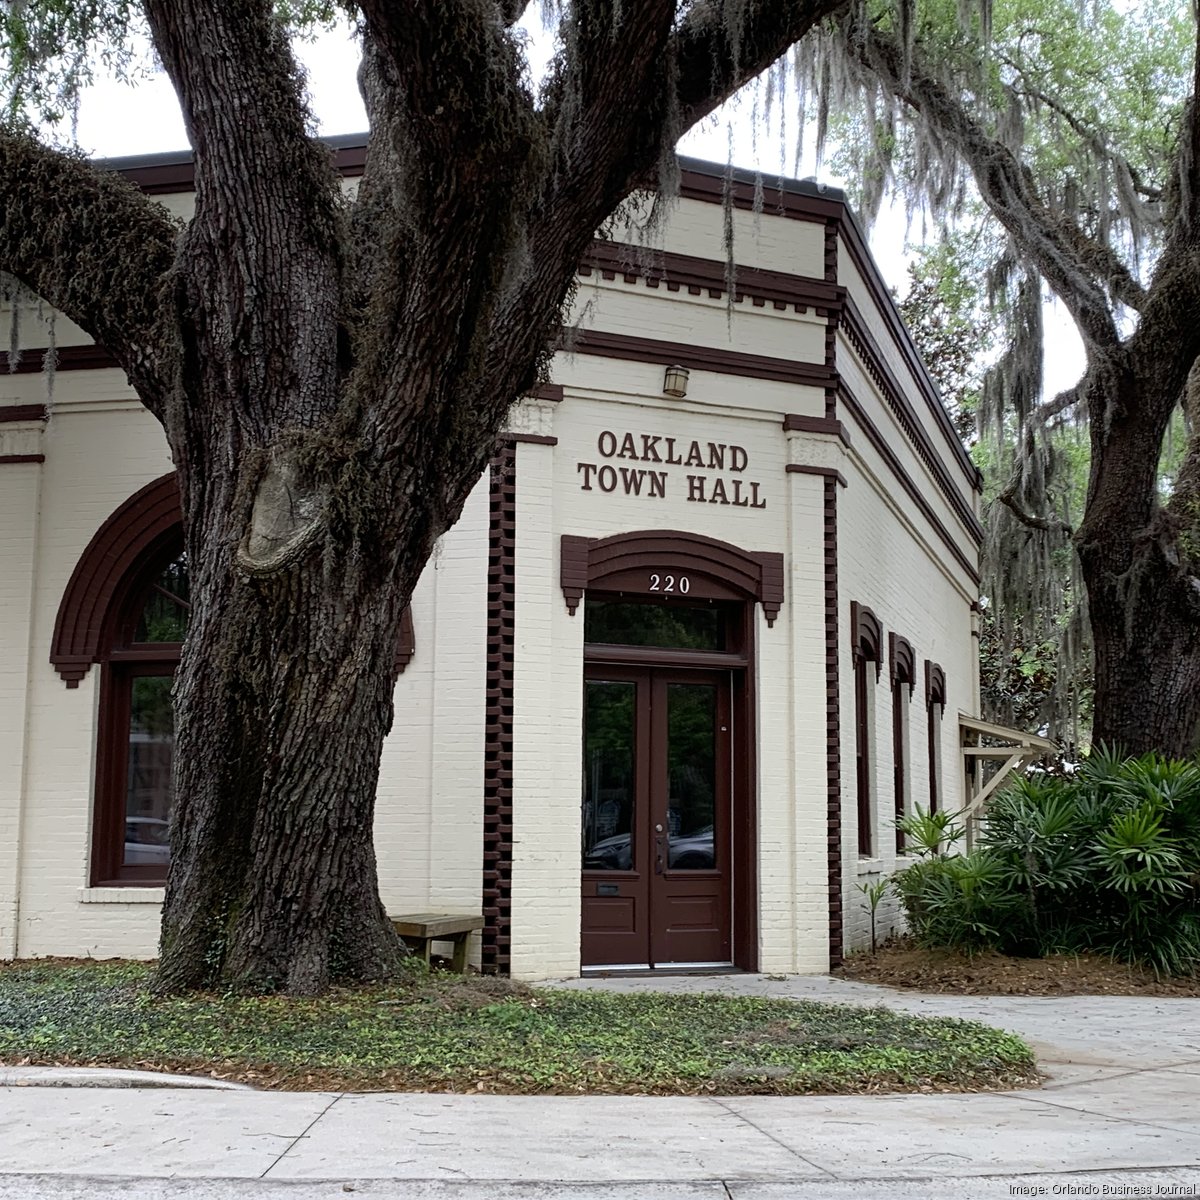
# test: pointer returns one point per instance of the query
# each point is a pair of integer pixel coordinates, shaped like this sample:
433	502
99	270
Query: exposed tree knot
287	519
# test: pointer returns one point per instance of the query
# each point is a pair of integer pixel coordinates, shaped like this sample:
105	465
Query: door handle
660	859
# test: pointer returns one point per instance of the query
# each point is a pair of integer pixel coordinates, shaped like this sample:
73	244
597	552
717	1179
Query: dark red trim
828	472
799	205
798	423
702	358
138	531
659	656
903	670
708	276
866	630
595	562
914	493
833	726
12	459
177	173
22	412
935	694
902	661
861	338
529	439
902	339
406	642
108	868
70	358
935	683
498	726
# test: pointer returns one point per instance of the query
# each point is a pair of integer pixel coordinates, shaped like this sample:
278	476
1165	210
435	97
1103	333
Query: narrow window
899	755
868	639
863	756
935	700
903	678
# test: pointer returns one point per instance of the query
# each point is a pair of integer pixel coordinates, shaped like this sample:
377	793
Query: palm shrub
1106	861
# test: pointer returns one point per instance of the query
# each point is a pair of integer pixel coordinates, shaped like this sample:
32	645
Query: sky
117	119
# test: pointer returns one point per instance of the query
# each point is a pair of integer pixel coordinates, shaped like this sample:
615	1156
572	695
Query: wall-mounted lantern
675	382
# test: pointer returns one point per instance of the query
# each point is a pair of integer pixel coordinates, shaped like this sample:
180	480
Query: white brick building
746	608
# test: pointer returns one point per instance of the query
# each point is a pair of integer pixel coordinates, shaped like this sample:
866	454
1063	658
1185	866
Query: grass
449	1033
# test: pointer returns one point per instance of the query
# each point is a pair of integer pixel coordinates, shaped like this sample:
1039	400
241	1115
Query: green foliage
440	1032
1107	861
50	50
929	833
945	312
873	892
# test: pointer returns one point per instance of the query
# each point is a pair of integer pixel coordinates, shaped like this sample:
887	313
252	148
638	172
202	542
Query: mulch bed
900	964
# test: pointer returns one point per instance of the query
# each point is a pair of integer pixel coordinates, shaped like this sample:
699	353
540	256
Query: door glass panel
148	788
609	777
691	774
675	626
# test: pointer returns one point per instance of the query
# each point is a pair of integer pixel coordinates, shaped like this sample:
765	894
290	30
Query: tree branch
1003	183
457	73
711	68
1008	497
1188	219
1045	412
261	267
93	247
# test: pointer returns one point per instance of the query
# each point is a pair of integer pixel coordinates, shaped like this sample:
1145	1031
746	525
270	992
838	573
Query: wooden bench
421	930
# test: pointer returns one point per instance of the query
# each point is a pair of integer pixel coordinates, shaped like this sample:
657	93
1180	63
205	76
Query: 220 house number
670	583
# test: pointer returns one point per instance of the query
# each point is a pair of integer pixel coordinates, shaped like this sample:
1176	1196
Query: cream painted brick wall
428	823
19	500
98	454
546	797
460	647
913	593
634	308
777	244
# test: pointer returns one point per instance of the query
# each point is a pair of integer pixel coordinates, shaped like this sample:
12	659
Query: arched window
867	648
935	702
126	608
137	724
904	676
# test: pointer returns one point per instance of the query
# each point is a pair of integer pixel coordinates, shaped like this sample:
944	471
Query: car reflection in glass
146	841
691	853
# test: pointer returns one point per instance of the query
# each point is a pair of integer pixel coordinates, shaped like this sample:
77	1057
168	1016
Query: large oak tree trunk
1138	557
1147	645
282	702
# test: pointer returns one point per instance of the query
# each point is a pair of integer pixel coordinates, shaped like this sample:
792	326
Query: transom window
709	625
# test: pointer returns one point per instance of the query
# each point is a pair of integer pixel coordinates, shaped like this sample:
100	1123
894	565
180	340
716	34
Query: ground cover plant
451	1033
1105	862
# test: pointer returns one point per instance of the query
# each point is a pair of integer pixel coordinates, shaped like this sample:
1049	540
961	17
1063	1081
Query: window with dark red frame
137	727
868	648
935	702
903	668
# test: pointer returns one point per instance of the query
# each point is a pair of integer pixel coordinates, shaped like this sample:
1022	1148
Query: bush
1107	861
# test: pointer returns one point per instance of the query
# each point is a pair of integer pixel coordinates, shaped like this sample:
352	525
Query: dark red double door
657	780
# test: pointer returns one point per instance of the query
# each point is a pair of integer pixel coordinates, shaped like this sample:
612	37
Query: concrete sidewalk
1120	1110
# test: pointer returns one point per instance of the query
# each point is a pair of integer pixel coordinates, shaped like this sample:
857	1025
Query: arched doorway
668	807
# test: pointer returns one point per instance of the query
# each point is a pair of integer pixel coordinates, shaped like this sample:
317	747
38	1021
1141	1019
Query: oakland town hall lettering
727	488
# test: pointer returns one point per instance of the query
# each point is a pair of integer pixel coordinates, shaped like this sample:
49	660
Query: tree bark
282	701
